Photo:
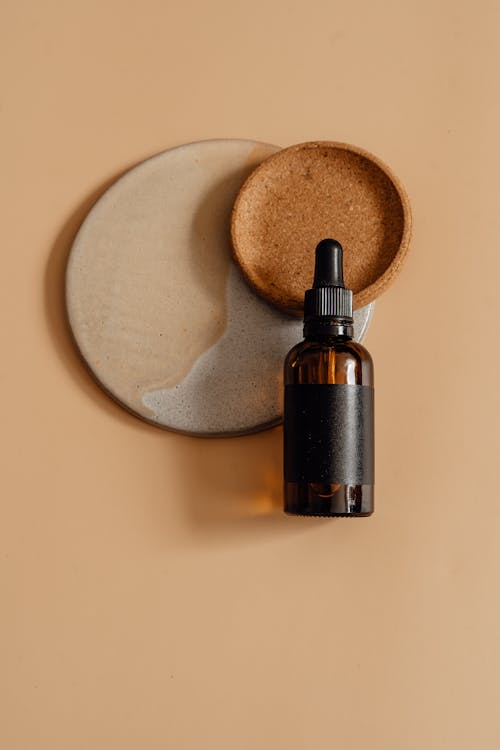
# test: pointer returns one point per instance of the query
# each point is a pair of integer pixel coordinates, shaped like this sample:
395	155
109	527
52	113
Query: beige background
152	594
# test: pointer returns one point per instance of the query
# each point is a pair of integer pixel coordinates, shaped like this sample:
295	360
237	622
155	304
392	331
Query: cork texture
314	190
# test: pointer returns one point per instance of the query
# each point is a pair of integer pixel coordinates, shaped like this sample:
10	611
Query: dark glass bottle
328	415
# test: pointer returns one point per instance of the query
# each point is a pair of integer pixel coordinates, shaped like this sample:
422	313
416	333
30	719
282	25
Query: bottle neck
327	328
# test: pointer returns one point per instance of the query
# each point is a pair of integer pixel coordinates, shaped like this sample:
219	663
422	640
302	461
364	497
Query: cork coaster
309	191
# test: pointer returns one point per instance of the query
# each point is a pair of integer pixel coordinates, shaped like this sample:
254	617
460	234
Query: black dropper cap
328	303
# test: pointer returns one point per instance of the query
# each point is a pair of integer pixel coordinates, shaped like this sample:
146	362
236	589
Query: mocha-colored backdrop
153	595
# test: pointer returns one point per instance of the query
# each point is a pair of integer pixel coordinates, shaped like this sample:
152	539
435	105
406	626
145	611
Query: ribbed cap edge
329	302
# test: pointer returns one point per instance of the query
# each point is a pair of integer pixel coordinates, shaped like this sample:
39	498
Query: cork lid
309	191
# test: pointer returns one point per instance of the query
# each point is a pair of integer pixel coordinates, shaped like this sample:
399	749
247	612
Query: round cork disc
160	311
310	191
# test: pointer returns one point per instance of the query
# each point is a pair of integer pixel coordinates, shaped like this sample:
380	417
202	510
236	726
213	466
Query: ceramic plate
159	310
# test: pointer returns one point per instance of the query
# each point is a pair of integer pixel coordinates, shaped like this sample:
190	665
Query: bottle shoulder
361	352
335	360
310	348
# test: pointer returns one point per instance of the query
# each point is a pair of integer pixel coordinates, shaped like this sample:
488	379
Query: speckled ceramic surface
158	309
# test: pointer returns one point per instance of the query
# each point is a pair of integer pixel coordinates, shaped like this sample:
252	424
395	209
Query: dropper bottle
328	414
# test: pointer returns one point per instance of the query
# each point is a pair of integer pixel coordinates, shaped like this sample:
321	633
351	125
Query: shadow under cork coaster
309	191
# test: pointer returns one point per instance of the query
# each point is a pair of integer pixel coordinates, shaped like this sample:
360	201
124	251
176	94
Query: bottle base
328	515
328	500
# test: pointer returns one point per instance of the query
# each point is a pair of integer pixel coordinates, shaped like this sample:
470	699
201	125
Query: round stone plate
159	310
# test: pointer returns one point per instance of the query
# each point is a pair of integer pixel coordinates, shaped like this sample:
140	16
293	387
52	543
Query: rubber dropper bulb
328	269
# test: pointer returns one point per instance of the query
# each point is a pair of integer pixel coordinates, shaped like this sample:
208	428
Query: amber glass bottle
328	414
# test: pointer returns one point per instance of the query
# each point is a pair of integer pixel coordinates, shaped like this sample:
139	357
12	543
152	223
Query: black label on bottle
328	432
